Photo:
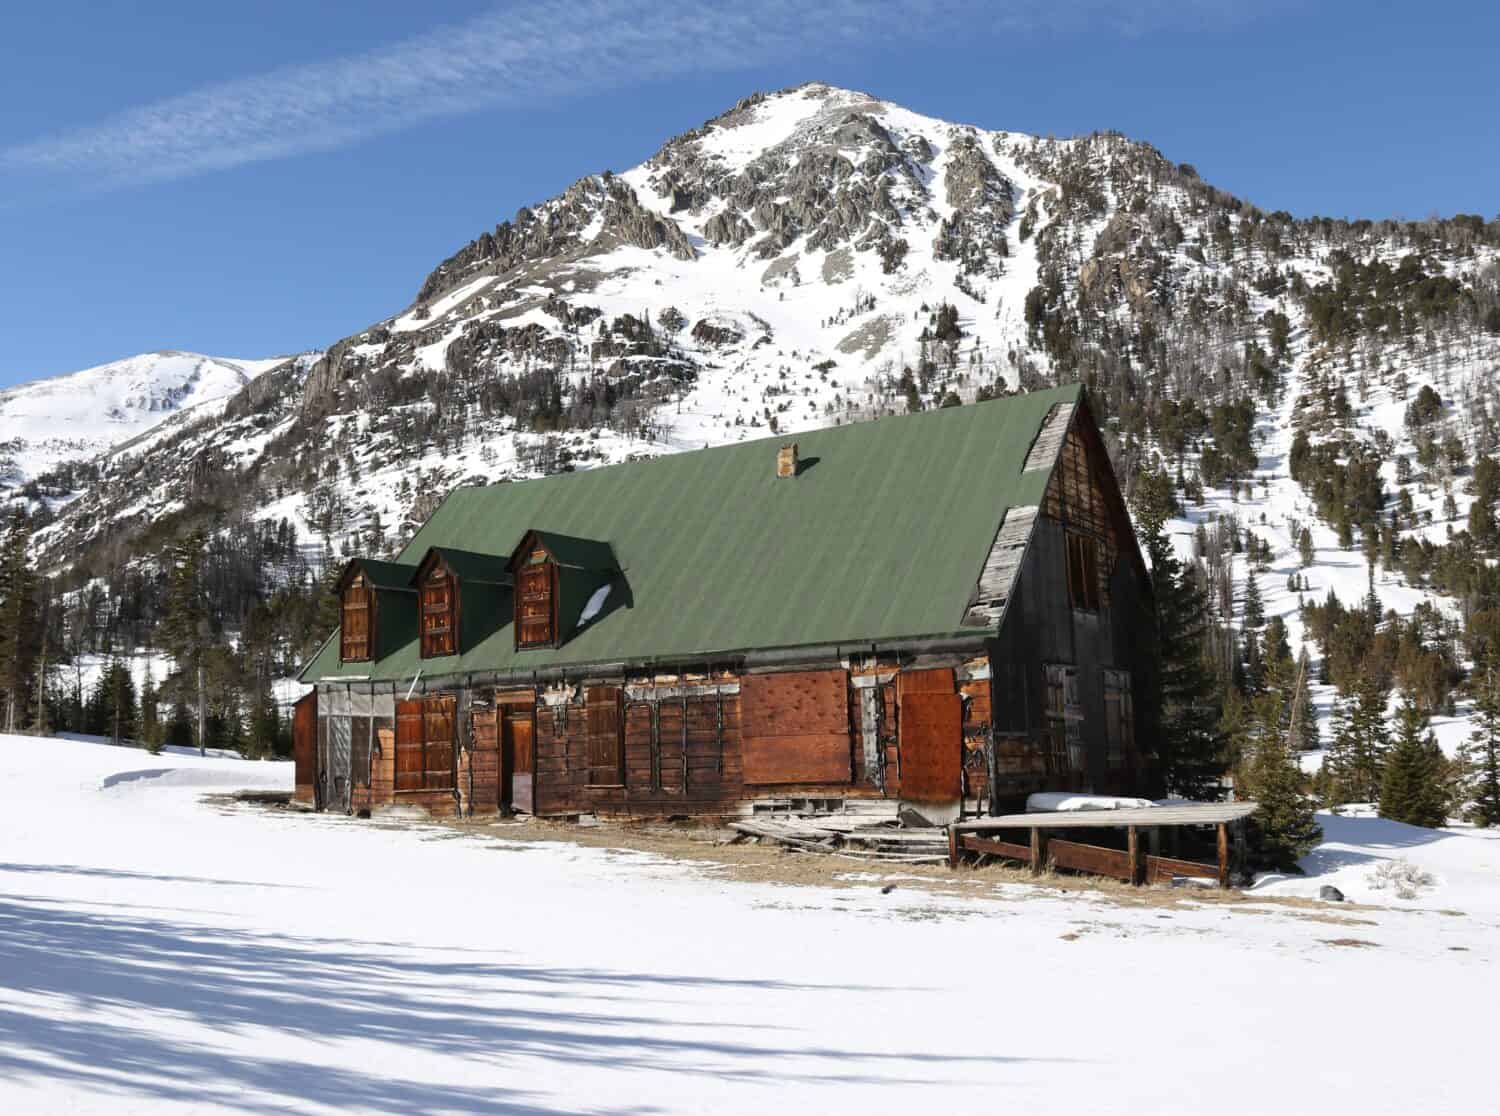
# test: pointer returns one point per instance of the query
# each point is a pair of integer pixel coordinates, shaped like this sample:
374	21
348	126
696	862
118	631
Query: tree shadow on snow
127	874
191	987
1374	840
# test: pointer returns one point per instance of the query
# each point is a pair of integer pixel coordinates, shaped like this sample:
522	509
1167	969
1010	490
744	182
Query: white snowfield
160	953
76	416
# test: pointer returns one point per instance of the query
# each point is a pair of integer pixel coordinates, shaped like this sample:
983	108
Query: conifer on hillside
186	631
1411	788
1357	753
18	630
1190	750
1284	828
1483	775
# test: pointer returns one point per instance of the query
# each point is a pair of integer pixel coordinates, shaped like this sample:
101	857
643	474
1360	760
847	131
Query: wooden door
305	746
931	747
522	761
410	729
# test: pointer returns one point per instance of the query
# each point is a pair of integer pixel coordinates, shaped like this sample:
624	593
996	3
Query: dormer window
561	586
439	610
536	601
356	628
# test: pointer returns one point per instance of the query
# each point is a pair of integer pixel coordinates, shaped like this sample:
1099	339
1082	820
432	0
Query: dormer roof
466	565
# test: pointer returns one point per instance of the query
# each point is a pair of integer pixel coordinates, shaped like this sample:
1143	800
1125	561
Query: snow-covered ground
161	953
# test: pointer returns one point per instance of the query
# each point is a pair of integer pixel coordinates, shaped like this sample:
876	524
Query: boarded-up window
1083	572
1064	721
439	613
535	598
1119	720
425	735
796	727
355	628
605	735
1079	495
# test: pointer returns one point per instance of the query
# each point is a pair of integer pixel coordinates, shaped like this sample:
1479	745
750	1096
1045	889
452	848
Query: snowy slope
161	954
81	414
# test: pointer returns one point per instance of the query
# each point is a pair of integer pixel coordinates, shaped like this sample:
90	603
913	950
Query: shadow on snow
207	982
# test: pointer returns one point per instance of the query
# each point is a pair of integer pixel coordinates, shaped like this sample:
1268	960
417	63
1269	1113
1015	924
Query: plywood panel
797	759
931	746
795	703
796	727
939	680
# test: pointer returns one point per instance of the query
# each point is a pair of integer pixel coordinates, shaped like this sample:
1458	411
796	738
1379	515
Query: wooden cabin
945	611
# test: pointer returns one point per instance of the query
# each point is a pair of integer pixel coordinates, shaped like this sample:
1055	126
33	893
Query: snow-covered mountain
79	415
817	256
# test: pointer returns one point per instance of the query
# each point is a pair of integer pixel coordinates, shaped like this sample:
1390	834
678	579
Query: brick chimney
786	461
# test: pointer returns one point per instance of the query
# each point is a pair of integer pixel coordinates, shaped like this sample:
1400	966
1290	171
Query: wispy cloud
520	54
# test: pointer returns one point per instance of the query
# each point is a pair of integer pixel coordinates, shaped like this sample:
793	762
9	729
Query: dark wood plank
1090	858
990	847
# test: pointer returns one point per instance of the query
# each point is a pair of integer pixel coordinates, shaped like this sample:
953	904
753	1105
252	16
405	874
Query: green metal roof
881	536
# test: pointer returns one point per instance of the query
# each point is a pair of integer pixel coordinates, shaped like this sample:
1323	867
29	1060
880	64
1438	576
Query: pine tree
185	631
1411	788
1284	828
1190	750
1303	730
18	630
152	732
1305	549
1360	742
1255	610
1484	753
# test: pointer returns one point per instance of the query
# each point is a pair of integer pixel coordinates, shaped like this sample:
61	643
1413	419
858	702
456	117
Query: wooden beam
1093	859
1223	855
1163	869
996	848
1137	866
953	851
1038	851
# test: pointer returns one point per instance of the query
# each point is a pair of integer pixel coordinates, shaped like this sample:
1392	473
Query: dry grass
725	854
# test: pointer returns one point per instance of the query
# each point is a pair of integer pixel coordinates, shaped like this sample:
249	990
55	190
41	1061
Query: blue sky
254	179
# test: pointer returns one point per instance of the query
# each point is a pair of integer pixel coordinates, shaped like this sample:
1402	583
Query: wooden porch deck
1133	863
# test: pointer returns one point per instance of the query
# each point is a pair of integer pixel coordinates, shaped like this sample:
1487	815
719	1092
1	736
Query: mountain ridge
816	256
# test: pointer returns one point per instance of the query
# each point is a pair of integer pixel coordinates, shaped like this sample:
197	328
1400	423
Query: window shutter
534	605
438	615
439	724
606	742
354	631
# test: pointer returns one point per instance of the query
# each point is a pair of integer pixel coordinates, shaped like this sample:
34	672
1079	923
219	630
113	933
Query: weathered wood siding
1043	629
680	745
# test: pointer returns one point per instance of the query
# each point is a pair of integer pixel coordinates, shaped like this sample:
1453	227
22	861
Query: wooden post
1223	855
952	846
1137	864
1038	852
